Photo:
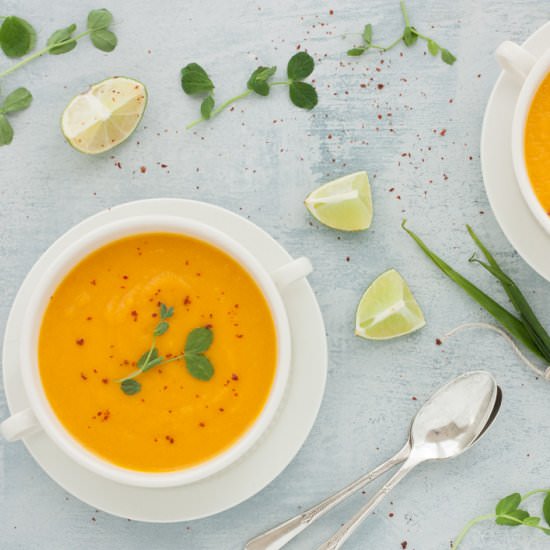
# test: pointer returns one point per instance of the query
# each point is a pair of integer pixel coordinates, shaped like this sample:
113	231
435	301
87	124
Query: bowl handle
293	271
19	425
515	60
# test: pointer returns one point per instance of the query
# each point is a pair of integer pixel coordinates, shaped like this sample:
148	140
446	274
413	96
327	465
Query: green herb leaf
6	131
166	312
152	355
514	325
356	52
104	40
258	80
61	37
17	36
546	508
130	387
447	56
198	340
199	366
161	328
531	521
367	34
195	80
508	504
99	19
518	517
18	100
300	66
433	48
410	36
303	95
207	107
530	320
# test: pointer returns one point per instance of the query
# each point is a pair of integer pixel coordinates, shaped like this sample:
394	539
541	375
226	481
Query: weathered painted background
413	123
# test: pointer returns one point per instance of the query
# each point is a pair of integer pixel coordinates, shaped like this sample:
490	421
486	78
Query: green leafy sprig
409	37
195	81
197	343
524	326
18	100
18	38
508	512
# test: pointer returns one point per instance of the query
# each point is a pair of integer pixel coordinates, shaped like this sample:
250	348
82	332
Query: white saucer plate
261	464
517	222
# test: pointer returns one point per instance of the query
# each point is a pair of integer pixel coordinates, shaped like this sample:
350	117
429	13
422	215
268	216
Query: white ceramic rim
49	282
528	90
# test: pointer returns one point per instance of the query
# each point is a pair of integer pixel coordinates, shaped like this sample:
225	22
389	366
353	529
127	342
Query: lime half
105	115
388	309
344	203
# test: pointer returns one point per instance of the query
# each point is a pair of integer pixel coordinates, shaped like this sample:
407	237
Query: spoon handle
277	537
338	539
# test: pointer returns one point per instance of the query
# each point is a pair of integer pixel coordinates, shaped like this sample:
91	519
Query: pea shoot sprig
196	82
409	37
197	343
508	512
18	39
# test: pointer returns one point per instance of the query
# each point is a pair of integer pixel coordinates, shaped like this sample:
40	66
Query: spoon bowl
454	418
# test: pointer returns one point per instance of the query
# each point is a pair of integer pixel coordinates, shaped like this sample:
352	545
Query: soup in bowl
531	126
155	351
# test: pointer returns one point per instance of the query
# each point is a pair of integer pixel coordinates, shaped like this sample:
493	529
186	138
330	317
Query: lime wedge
105	115
344	203
388	309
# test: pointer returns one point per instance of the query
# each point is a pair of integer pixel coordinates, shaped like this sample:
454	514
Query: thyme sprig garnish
508	512
524	326
197	343
409	37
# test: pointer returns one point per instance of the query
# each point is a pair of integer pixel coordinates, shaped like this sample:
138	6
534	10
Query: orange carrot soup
537	144
157	352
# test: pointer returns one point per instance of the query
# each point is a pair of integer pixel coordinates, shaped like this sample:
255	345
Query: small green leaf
99	19
161	328
207	106
508	504
18	100
199	366
151	355
303	95
531	521
130	387
195	80
546	508
367	34
198	340
6	131
104	40
356	52
258	80
300	66
410	36
17	36
59	37
447	56
519	515
166	312
433	48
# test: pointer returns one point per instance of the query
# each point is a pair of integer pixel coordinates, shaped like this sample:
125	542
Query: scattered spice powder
143	169
438	342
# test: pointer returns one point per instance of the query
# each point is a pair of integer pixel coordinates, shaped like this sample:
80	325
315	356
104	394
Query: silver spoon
448	424
277	537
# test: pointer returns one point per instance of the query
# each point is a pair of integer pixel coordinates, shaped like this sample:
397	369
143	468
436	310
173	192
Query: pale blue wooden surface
261	160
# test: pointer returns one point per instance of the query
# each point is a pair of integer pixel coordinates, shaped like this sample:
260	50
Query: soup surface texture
100	320
537	144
